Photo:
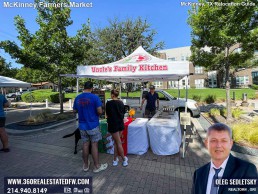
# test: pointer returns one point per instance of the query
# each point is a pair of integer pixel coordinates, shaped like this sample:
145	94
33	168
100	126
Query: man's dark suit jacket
235	168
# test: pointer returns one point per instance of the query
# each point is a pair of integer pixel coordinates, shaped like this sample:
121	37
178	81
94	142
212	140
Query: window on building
158	84
255	77
182	58
172	59
183	82
187	58
198	70
242	80
199	83
254	74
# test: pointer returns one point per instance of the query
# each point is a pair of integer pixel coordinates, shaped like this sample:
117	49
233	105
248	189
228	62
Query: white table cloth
165	135
138	142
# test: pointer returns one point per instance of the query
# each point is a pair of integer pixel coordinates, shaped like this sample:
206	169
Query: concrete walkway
48	154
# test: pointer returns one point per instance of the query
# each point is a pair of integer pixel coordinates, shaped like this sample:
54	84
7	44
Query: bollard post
234	96
46	103
244	96
70	104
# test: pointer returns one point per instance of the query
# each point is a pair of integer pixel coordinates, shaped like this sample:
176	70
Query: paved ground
48	154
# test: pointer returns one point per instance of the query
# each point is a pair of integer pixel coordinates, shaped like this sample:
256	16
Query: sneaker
115	162
101	168
86	169
5	150
125	162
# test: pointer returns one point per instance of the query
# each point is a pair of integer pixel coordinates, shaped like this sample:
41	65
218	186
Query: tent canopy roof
140	66
10	82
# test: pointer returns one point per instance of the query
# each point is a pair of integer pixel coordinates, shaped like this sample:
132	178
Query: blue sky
167	17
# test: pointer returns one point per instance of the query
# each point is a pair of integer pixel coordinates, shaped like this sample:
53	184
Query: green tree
5	69
32	75
50	48
216	30
121	38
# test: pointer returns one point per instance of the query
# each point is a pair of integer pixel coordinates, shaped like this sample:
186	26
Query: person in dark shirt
4	103
151	98
115	118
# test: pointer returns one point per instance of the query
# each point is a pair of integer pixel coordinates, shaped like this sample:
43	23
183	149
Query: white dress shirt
212	173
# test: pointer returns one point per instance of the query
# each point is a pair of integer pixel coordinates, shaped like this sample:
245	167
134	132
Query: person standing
152	98
115	118
89	109
4	103
219	143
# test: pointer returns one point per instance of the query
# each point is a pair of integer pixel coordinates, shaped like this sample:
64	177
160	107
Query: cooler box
124	134
103	129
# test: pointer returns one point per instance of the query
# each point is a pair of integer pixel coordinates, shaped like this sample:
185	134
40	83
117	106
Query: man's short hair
88	85
152	87
219	127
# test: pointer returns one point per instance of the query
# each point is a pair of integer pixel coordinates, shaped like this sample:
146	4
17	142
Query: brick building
201	78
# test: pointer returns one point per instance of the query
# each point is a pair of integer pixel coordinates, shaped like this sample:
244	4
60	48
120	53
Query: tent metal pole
77	92
30	103
178	94
120	88
141	94
186	93
77	85
4	93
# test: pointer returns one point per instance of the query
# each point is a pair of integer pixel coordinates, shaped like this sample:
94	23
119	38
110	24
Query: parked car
14	96
165	99
11	95
68	90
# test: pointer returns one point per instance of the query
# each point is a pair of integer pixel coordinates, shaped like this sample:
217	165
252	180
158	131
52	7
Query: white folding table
165	135
138	137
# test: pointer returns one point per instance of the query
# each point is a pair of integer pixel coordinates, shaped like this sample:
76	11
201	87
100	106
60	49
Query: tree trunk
227	86
60	94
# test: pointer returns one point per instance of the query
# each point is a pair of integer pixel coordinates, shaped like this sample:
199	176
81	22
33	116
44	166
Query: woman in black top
115	118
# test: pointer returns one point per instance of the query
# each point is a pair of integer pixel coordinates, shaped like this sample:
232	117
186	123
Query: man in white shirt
223	165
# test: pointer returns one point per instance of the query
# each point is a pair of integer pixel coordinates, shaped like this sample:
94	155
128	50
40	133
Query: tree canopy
121	38
50	48
216	32
5	68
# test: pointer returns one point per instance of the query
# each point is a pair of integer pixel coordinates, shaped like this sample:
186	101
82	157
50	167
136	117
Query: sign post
185	119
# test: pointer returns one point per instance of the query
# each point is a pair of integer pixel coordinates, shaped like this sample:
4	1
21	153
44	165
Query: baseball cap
88	85
152	87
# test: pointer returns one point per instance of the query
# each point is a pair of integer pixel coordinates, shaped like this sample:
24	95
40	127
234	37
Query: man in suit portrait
223	165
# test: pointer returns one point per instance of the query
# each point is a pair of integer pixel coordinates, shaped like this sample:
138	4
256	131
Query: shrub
41	96
197	98
254	87
210	99
214	112
55	97
223	112
62	117
246	133
253	137
27	97
45	115
237	112
256	96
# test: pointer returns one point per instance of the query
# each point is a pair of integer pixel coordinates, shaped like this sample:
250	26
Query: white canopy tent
12	83
140	66
7	82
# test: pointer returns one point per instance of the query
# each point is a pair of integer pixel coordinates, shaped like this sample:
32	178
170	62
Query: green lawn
220	93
